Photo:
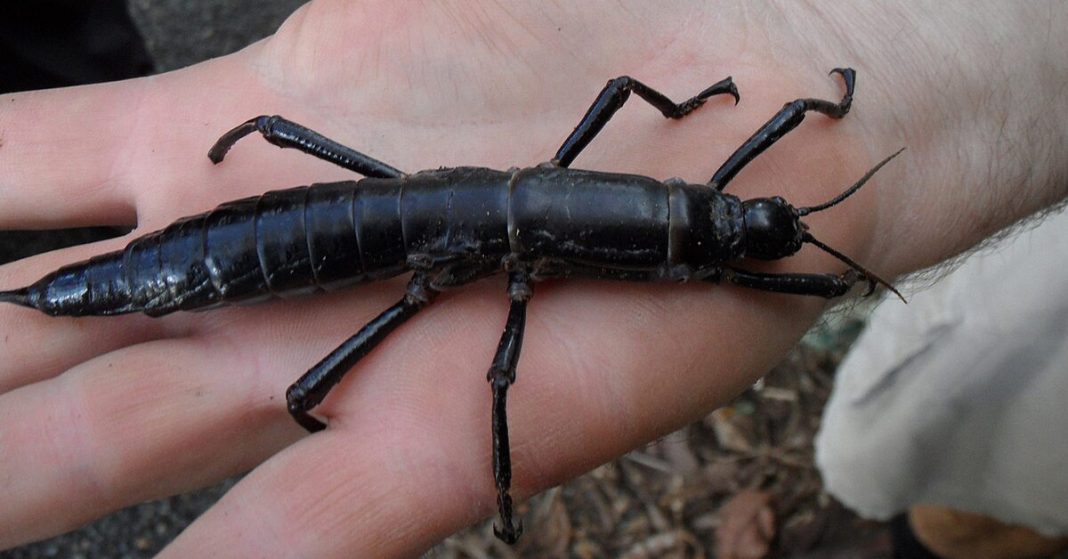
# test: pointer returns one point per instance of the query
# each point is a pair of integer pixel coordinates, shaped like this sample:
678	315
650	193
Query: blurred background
59	43
742	479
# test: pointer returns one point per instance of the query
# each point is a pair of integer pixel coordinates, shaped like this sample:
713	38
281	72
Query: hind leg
313	387
288	134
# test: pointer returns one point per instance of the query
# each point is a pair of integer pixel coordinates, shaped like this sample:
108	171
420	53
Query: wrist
977	98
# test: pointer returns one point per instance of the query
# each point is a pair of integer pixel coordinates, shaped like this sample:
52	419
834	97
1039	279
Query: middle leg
501	375
612	98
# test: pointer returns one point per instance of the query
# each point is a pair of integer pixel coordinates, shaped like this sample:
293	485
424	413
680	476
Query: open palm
100	413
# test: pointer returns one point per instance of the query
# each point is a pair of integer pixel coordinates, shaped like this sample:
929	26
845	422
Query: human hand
111	411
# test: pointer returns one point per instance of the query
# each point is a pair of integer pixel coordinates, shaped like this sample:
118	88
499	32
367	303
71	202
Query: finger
140	423
406	459
361	493
58	156
133	152
165	416
35	346
358	482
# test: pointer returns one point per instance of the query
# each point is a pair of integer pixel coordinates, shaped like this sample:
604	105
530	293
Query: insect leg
501	375
288	134
784	121
820	285
313	387
612	98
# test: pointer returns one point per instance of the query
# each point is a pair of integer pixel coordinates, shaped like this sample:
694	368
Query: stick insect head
774	229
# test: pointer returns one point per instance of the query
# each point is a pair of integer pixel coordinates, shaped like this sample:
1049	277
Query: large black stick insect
452	226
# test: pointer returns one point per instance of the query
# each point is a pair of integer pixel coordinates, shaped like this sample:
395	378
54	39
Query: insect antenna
849	191
868	275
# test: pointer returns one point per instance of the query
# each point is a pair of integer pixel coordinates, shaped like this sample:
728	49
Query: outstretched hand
101	413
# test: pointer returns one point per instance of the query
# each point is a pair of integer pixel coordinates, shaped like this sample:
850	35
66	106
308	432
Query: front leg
827	286
782	123
501	375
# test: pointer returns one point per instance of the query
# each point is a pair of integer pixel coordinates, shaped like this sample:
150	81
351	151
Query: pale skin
100	413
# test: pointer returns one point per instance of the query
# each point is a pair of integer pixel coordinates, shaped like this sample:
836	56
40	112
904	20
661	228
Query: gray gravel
177	33
183	32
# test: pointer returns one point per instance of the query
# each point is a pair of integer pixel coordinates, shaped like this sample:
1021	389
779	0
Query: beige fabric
960	398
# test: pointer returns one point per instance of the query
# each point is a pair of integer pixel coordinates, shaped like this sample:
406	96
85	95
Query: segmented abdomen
282	243
291	242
